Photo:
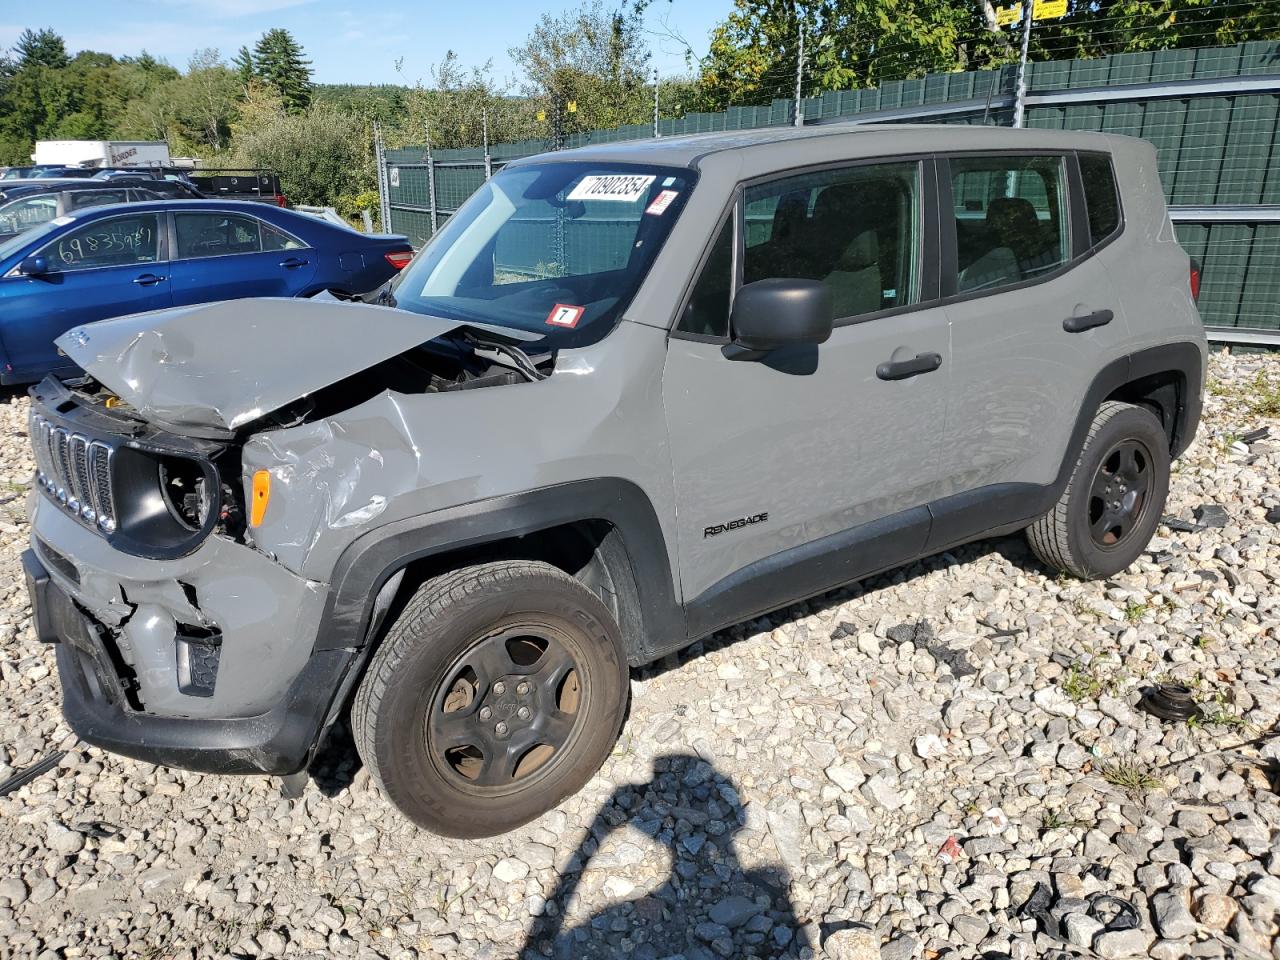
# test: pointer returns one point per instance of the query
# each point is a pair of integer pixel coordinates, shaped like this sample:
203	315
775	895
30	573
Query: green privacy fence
1212	113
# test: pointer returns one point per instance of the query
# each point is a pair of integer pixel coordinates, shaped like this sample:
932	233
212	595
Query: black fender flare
369	562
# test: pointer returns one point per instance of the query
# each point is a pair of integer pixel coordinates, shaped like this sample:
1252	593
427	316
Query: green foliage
319	153
861	43
42	48
278	62
588	68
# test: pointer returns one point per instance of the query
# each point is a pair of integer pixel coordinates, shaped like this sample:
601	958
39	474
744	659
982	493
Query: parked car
56	172
629	395
22	173
259	186
25	204
107	261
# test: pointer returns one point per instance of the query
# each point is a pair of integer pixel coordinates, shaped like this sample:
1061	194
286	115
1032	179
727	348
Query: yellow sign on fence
1050	9
1008	15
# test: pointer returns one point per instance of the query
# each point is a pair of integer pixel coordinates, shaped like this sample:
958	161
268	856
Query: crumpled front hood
215	367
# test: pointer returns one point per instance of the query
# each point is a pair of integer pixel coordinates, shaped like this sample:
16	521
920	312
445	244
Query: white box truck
103	153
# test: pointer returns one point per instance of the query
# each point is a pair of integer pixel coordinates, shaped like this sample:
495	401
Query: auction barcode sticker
615	187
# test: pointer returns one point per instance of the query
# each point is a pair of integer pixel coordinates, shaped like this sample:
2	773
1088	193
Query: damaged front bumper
204	662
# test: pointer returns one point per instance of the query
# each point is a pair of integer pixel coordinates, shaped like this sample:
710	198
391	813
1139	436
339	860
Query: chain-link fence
1213	114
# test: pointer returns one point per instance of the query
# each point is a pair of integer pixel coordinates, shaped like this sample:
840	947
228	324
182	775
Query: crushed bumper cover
280	741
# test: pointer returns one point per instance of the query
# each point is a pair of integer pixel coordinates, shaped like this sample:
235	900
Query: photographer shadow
707	908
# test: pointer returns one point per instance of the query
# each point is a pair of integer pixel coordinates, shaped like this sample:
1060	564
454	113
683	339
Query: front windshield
557	249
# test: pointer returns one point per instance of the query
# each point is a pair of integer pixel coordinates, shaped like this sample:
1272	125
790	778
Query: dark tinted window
855	229
708	310
120	241
95	198
216	234
1100	196
1010	219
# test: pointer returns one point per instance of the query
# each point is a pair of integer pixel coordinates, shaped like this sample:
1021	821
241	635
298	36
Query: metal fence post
1020	90
384	189
431	186
488	160
656	132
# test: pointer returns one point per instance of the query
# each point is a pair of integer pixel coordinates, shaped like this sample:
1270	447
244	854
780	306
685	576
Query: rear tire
498	692
1112	504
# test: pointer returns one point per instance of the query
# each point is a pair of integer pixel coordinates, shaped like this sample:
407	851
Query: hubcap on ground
509	705
1120	492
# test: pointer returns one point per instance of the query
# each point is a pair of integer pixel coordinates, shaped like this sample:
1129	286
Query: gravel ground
942	762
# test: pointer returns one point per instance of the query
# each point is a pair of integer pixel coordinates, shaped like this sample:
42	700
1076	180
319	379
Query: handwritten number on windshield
114	239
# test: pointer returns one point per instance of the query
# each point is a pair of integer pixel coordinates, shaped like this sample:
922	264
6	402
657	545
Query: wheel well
1164	394
590	550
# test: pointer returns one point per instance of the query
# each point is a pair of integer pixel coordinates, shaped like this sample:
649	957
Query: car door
1033	317
225	255
106	267
810	465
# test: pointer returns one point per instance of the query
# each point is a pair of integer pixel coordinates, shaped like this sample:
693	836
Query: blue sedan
112	260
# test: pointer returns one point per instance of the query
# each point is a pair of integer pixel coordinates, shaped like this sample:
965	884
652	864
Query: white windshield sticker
616	187
62	221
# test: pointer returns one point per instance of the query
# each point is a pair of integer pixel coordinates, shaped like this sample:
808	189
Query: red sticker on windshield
564	315
661	202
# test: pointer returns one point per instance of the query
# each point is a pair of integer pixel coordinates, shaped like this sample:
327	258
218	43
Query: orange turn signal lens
261	496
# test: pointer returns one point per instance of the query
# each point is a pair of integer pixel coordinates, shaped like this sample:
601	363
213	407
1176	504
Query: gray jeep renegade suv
627	396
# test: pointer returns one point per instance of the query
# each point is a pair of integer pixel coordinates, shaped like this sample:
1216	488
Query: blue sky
348	41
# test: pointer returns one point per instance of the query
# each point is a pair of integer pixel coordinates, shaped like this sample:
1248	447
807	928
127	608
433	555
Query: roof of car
859	139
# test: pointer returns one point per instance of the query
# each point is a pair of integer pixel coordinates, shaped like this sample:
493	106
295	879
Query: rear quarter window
1101	198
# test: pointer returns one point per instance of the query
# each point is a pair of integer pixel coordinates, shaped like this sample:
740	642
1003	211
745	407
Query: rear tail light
400	259
281	200
1195	280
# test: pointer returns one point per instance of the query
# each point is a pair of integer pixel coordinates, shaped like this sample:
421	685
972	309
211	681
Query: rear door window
1010	219
216	235
1101	198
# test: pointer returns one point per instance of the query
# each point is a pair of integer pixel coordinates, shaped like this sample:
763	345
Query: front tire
1112	504
498	692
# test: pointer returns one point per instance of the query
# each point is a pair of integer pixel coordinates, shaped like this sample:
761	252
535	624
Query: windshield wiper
519	359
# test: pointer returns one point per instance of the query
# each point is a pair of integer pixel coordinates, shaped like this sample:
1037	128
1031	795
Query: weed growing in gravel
1056	820
1264	396
1090	681
1130	777
1134	612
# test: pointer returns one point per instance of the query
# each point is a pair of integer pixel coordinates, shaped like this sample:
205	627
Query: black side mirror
35	266
773	313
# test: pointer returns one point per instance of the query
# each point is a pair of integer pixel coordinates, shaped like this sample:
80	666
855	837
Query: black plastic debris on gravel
23	777
921	634
1170	701
1211	515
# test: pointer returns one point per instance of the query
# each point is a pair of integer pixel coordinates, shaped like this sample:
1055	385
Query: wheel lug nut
523	713
499	688
500	729
523	688
485	713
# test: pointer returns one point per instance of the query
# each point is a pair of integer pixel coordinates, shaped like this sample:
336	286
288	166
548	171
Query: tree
279	63
206	98
242	63
315	152
592	57
42	48
848	44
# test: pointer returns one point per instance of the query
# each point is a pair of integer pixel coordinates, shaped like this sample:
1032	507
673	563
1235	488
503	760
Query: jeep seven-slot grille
75	471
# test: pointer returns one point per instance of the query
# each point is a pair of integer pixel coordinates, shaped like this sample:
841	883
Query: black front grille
75	471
